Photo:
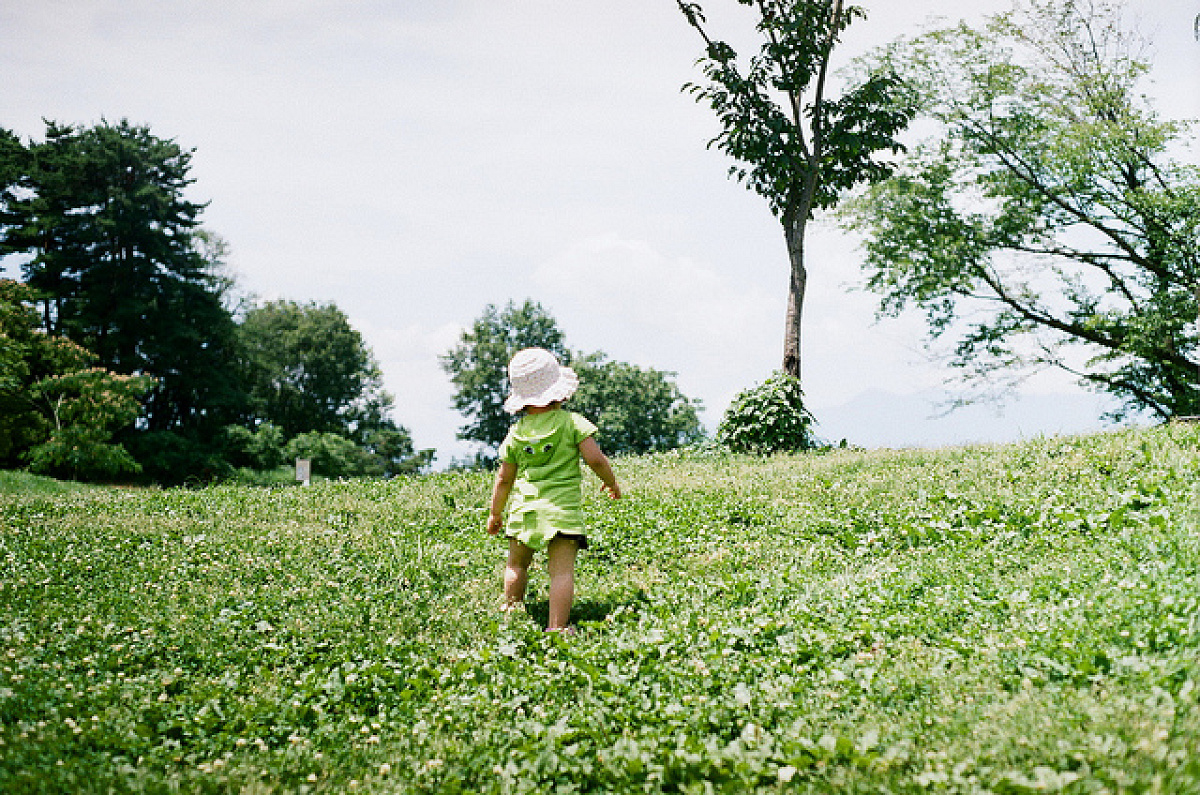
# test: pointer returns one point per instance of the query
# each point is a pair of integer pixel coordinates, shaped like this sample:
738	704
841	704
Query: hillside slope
1009	619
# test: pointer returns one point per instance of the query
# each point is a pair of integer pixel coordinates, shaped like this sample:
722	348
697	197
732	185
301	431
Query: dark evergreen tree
114	257
44	195
14	165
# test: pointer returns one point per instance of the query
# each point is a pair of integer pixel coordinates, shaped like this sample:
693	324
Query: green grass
23	483
1013	619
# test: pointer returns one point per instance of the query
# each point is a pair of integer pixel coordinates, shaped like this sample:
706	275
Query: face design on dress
538	453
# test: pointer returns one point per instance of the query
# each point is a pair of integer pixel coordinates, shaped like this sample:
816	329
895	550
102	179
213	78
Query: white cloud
408	357
680	304
626	298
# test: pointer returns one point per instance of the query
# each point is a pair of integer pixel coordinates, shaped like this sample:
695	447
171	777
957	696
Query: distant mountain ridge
882	419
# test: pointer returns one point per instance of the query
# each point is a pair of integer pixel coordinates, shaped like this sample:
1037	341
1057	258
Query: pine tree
118	267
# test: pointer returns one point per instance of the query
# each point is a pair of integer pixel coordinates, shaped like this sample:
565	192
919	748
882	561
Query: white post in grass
304	470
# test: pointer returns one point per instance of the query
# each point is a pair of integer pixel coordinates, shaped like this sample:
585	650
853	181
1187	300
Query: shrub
87	406
769	418
82	454
172	459
333	456
262	448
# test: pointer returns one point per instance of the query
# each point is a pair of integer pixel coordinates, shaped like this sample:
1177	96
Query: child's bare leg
561	565
516	573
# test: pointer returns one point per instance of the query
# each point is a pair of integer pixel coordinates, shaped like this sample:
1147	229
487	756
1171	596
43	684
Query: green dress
547	493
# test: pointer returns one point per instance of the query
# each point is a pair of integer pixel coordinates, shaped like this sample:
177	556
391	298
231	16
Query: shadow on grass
585	611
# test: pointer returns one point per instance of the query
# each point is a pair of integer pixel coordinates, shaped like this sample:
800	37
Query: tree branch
1114	383
1042	318
1013	162
793	97
1095	259
695	18
819	94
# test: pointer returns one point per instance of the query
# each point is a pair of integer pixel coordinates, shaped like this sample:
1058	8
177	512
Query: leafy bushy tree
1048	222
86	407
311	374
796	146
307	367
478	365
769	418
638	410
392	451
59	412
261	448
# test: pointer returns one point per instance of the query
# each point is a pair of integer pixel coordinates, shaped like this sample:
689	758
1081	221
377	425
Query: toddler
539	469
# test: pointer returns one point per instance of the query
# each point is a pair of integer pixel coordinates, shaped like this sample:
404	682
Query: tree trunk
1196	400
797	282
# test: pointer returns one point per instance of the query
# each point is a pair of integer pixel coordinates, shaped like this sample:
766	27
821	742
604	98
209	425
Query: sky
413	161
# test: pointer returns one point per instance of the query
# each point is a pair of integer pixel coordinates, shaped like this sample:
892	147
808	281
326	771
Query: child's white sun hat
537	379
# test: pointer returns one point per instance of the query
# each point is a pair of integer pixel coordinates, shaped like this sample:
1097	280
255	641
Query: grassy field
24	484
1014	619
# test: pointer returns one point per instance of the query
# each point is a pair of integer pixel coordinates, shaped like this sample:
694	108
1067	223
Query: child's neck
541	409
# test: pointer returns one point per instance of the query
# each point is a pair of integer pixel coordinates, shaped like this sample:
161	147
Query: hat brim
561	389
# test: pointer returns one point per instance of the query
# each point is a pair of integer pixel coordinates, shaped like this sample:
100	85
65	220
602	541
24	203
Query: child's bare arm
500	491
595	458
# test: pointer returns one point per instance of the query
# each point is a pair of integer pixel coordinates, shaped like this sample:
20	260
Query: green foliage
331	455
20	423
262	448
478	365
93	397
1009	620
87	407
307	366
385	455
82	453
1047	222
171	459
14	162
59	413
798	148
311	375
112	252
637	410
768	418
392	450
795	146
